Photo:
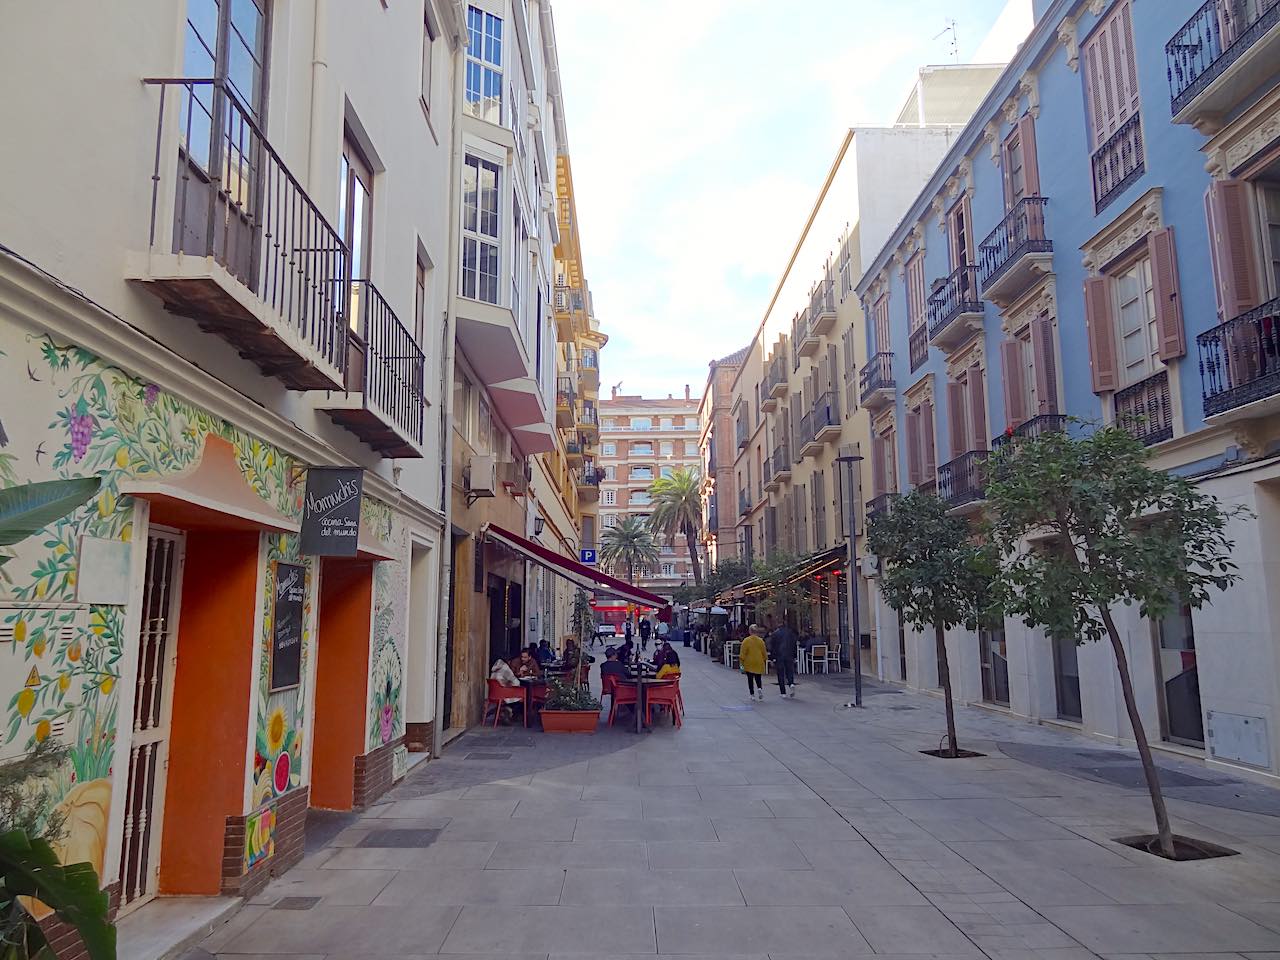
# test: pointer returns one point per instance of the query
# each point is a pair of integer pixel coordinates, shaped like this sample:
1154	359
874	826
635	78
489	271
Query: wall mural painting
386	710
259	837
60	666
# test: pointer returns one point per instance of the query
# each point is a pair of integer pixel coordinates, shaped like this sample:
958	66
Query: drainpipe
319	66
446	400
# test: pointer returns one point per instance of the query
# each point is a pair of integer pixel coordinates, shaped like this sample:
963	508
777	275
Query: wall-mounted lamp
538	524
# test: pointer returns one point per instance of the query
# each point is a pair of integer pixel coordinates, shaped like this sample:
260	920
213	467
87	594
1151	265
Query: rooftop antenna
951	29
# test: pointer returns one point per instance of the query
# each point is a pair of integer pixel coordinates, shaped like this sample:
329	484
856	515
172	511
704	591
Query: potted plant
569	708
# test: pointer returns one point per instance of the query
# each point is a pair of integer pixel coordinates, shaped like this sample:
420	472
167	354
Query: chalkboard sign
286	625
331	511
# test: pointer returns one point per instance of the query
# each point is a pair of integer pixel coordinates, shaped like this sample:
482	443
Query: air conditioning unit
482	477
514	478
548	207
870	565
533	116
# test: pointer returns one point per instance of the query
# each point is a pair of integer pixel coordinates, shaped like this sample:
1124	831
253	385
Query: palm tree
677	510
629	547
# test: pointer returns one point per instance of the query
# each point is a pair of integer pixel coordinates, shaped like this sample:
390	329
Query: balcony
744	503
251	258
1240	365
963	481
587	482
766	468
822	310
383	404
1118	163
804	337
955	310
876	384
1144	409
781	463
778	377
573	451
880	504
587	421
808	446
918	347
564	402
741	436
589	369
826	418
1226	51
1016	253
1031	429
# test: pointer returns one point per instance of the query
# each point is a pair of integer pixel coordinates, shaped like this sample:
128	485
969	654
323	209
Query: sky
700	132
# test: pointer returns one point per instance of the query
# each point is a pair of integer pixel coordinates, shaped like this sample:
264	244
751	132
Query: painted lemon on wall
26	700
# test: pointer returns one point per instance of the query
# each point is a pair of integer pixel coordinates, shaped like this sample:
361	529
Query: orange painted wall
212	682
342	680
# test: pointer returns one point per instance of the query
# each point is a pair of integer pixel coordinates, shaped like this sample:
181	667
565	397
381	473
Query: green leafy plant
677	510
1082	524
27	509
582	618
563	695
936	574
629	548
781	592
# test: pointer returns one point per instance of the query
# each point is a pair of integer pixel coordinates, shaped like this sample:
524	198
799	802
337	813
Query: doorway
902	648
455	571
152	715
1177	678
1066	678
420	666
497	596
995	665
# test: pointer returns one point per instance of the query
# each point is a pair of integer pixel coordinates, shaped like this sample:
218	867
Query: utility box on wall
1240	739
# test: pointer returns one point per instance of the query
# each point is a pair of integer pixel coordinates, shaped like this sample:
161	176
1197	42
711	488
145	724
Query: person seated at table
659	657
544	653
626	651
526	666
501	671
670	666
612	666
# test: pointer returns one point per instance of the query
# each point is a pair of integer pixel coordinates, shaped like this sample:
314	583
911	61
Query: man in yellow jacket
753	658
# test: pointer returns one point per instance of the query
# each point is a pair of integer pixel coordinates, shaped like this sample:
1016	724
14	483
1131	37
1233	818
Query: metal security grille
148	752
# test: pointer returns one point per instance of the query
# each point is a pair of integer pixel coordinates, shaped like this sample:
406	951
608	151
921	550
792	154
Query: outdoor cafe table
643	683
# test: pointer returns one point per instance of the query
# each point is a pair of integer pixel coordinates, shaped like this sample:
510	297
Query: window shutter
1164	275
1046	363
1006	174
795	426
1102	335
891	460
977	408
877	466
929	468
1030	170
957	413
1232	236
833	368
1126	63
1015	387
913	448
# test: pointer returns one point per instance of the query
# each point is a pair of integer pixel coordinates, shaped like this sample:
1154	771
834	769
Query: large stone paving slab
569	930
819	930
1162	928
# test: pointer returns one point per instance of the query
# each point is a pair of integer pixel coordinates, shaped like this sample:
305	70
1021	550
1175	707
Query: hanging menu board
286	625
331	511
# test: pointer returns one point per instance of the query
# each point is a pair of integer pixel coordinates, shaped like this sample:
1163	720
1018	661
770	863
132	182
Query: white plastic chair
833	657
818	656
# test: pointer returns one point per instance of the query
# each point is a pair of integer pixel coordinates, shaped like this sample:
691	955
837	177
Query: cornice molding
1070	41
1142	217
1041	301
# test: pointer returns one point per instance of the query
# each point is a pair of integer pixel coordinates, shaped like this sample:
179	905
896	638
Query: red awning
579	573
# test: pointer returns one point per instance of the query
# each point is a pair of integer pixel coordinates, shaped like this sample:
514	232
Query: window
667	471
668	569
1269	214
419	302
1110	75
967	411
462	390
609	450
1015	174
218	44
484	427
480	229
1135	308
691	448
428	44
921	455
691	423
668	423
607	423
667	448
642	473
915	291
881	324
642	450
960	237
483	96
639	497
610	472
1030	372
355	217
641	423
610	520
610	497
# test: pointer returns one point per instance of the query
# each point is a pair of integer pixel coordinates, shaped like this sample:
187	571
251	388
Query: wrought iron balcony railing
880	504
1031	429
1240	359
1215	37
826	412
1118	162
964	479
1145	409
781	460
1019	233
876	374
918	347
744	504
806	435
958	294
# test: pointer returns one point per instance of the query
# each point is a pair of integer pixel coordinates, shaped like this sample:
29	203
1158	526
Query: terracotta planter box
570	721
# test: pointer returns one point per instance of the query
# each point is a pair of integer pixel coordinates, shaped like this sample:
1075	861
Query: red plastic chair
498	695
608	681
665	695
623	693
538	693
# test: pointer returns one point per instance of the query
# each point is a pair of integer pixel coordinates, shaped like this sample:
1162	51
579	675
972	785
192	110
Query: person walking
753	658
646	630
782	644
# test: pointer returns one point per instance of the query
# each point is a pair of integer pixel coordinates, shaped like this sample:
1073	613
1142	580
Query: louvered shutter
1030	170
1232	236
1126	62
913	448
1015	386
802	521
891	460
957	414
1164	276
977	408
1046	364
929	456
795	428
1102	334
877	466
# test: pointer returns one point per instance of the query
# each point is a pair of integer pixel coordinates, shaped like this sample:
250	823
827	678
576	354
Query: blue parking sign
587	556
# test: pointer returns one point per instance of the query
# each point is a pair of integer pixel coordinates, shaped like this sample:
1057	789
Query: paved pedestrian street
782	830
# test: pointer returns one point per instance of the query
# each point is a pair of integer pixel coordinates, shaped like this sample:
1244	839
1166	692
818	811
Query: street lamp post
848	462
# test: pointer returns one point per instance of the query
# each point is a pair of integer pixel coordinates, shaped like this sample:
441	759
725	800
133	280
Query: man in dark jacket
782	647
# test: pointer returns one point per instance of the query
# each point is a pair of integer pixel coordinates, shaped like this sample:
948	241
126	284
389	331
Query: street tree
1083	524
677	511
629	548
779	591
936	573
729	572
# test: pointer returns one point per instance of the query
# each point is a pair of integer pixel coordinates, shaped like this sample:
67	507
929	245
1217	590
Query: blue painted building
1102	242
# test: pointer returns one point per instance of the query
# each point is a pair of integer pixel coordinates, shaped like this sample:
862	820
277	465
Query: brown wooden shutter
929	467
891	460
1127	62
1015	385
833	369
1102	334
1046	364
1164	276
977	408
877	466
795	428
913	448
957	413
1030	170
1232	235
